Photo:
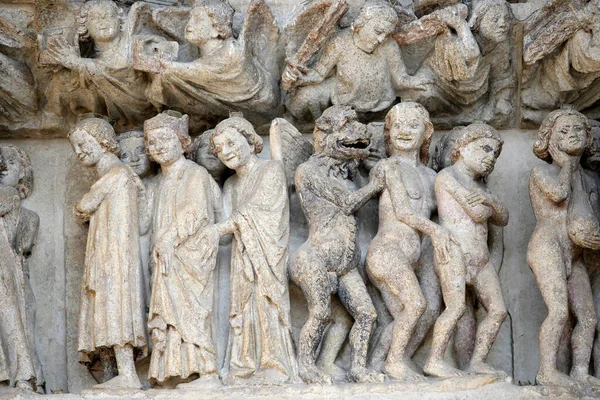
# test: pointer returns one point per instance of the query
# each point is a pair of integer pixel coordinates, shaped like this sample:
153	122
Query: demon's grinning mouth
359	144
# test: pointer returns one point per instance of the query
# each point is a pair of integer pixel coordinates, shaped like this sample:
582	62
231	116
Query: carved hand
162	254
560	157
64	54
80	214
442	242
476	197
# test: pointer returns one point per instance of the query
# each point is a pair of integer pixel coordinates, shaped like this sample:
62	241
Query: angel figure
561	59
369	71
109	84
260	350
471	62
231	73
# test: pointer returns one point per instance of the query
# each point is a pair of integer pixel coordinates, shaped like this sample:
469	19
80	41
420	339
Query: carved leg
452	279
353	294
308	272
333	340
466	328
581	304
549	270
127	378
430	286
489	293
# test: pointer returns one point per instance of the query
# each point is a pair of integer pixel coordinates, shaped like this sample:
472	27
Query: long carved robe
260	341
18	360
181	307
112	295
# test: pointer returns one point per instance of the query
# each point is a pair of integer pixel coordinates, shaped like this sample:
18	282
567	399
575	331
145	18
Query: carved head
91	138
16	170
209	19
167	136
491	19
339	134
201	153
565	130
234	141
375	22
377	149
133	152
408	128
100	20
443	149
478	147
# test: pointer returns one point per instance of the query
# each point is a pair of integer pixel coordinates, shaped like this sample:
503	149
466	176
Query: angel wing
259	36
288	146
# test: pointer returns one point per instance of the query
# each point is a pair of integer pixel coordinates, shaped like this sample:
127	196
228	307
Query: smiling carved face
163	145
232	148
406	131
103	22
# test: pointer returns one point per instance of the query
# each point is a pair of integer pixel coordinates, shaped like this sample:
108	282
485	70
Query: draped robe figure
181	308
112	301
260	337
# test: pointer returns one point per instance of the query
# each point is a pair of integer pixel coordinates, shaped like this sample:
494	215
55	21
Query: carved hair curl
25	184
423	113
101	130
245	129
472	133
541	147
221	15
133	134
82	17
375	9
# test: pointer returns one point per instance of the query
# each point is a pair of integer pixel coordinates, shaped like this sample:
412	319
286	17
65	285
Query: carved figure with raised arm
327	263
369	70
260	350
566	225
112	306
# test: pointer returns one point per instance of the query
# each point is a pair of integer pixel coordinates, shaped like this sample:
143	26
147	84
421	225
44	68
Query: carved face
407	131
13	171
86	147
232	148
200	28
372	33
496	23
569	135
163	145
133	153
350	142
479	155
103	23
212	164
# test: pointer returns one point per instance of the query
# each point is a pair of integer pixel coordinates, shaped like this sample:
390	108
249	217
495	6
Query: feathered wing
288	146
259	36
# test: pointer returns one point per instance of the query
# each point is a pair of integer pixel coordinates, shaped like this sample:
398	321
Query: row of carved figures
457	60
168	228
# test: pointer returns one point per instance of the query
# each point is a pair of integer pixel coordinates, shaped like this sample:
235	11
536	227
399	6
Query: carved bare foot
312	374
554	378
337	373
363	375
204	382
402	371
585	377
25	385
479	367
441	369
120	382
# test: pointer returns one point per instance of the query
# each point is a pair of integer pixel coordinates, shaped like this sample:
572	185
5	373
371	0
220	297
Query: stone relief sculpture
471	62
327	262
369	70
465	208
186	199
19	362
105	82
201	154
230	74
261	350
566	225
562	59
405	206
112	317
